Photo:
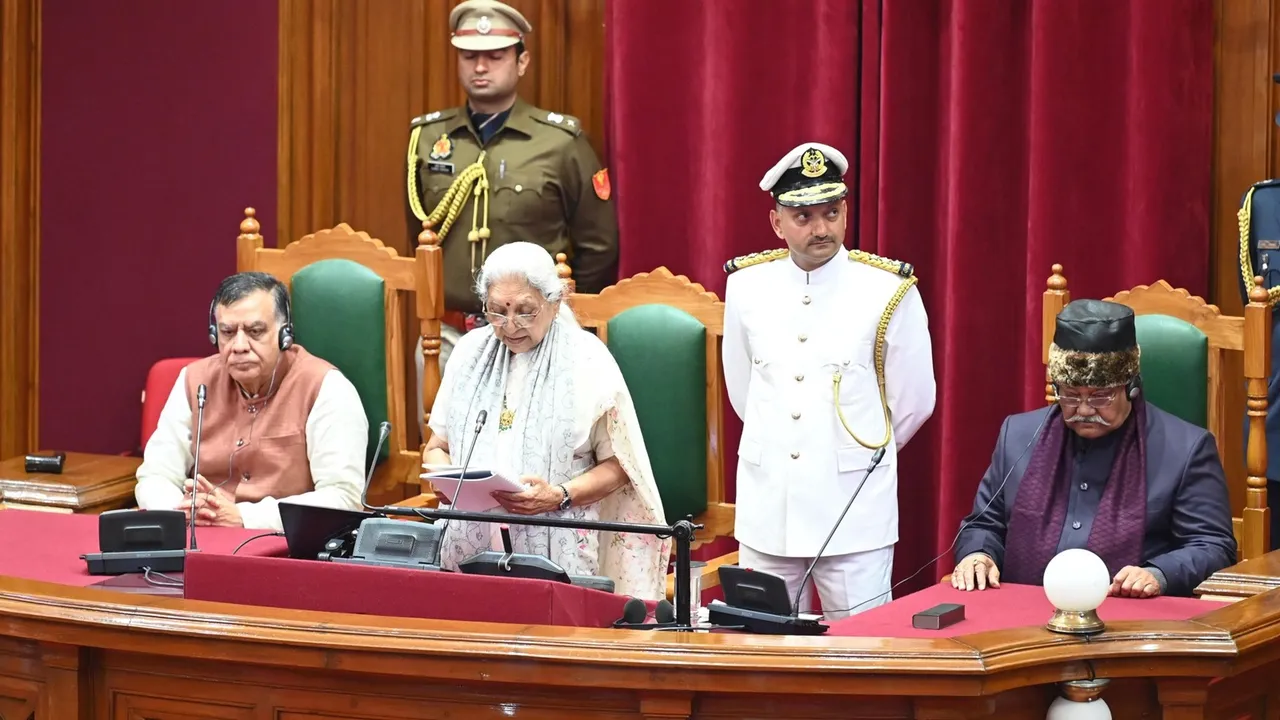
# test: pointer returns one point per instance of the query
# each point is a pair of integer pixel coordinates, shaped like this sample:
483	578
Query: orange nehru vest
257	447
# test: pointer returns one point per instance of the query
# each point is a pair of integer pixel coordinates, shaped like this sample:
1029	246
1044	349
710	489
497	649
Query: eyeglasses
521	321
1097	402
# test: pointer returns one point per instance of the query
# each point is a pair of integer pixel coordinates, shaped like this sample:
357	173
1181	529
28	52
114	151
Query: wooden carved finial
1057	281
565	273
1258	293
428	236
250	224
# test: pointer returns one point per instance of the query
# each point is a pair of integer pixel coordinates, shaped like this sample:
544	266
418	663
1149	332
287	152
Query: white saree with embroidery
554	412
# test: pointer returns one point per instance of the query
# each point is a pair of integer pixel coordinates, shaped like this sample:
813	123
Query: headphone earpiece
1135	387
213	326
286	330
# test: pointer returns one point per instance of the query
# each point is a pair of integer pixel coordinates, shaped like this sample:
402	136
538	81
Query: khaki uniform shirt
546	187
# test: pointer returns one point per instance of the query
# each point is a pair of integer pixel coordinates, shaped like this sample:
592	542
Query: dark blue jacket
1188	529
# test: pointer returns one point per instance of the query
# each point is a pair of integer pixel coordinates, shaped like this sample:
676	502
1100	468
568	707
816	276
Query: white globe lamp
1076	582
1080	700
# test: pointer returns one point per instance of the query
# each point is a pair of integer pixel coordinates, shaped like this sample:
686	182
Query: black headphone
285	339
1133	388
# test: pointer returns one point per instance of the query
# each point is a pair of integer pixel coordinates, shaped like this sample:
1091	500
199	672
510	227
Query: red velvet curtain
992	139
703	98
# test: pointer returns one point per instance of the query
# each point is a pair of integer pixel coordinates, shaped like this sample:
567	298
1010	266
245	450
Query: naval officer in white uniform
827	358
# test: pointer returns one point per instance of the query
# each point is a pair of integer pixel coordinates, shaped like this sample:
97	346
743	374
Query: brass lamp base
1076	623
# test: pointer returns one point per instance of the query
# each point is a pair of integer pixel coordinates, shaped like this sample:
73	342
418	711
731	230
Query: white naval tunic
786	333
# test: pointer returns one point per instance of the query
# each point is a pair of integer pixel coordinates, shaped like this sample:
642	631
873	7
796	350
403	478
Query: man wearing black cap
1141	488
827	360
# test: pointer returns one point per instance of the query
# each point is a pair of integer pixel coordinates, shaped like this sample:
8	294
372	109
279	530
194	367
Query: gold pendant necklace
507	417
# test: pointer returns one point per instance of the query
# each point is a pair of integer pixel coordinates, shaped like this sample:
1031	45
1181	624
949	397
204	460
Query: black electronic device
131	541
388	542
508	563
309	530
938	616
45	464
758	602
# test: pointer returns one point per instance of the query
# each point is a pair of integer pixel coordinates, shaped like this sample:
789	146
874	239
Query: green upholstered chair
662	349
1184	342
339	315
1175	366
665	333
348	291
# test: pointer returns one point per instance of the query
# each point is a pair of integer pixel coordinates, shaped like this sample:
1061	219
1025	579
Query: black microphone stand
195	470
681	530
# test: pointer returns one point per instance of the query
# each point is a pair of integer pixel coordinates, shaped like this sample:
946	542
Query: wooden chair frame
1250	335
661	287
423	276
594	311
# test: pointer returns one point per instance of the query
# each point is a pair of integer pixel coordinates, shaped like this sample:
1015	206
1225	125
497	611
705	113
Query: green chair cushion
339	315
1175	366
662	353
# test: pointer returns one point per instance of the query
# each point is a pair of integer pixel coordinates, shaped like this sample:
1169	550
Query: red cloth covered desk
395	592
47	546
1008	606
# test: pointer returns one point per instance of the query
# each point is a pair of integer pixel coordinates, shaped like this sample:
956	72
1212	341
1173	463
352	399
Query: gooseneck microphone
999	489
201	392
875	461
466	462
383	431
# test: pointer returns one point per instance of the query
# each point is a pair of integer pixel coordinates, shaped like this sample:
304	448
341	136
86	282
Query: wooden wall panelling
1246	32
19	225
305	154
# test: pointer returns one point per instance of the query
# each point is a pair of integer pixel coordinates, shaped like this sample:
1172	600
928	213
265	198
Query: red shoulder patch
600	181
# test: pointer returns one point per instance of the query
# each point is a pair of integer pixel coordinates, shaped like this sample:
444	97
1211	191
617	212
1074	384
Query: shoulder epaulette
1267	183
567	123
897	267
755	258
431	117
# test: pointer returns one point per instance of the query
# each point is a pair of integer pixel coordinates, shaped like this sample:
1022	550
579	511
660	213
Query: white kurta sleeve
166	460
734	352
337	439
910	387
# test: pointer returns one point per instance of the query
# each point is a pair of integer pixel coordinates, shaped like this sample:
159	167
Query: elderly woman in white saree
565	425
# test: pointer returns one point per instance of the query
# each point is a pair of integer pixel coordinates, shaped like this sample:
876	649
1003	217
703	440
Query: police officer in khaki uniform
499	170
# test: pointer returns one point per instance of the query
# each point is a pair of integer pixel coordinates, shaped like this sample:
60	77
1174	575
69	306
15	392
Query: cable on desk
170	581
256	537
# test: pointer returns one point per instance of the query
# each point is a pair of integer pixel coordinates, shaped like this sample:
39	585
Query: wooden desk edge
1007	658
